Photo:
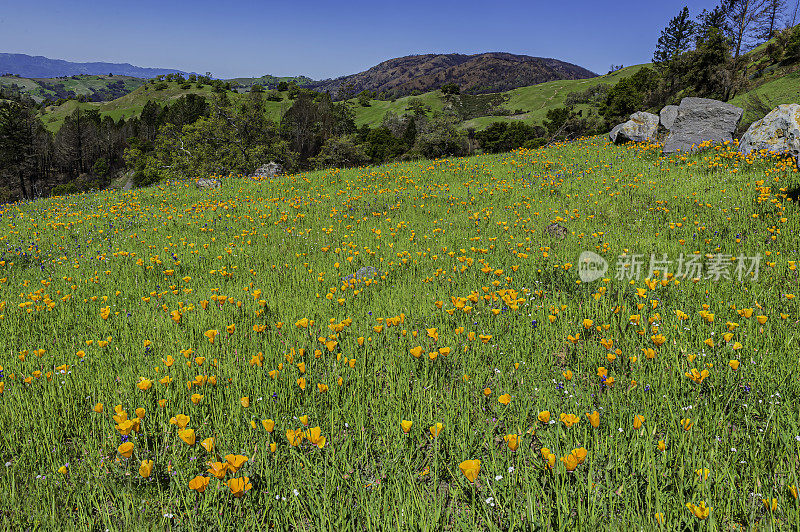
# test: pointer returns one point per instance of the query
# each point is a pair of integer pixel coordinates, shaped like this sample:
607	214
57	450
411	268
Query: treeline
228	133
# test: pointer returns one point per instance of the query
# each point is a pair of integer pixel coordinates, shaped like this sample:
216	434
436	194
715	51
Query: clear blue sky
330	39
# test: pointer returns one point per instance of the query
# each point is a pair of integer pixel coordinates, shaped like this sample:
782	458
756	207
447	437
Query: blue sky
329	39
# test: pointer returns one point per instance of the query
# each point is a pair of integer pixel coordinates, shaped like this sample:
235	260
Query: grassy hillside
373	115
536	100
106	87
156	339
131	104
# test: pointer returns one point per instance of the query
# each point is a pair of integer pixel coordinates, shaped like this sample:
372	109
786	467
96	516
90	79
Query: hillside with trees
174	127
474	74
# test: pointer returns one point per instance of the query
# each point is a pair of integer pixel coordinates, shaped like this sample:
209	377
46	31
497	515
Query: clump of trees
705	56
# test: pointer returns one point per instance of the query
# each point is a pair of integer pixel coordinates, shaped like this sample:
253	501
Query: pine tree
675	39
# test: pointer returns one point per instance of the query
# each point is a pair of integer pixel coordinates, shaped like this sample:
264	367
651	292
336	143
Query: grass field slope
99	88
410	347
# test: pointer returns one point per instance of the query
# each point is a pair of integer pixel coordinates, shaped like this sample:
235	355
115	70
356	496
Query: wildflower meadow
410	346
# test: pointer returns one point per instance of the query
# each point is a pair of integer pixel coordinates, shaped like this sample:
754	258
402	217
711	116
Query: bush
5	195
142	178
64	189
450	88
504	136
533	144
340	152
792	51
100	168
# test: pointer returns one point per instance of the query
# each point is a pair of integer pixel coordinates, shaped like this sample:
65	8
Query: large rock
701	120
640	128
667	115
268	171
779	132
207	184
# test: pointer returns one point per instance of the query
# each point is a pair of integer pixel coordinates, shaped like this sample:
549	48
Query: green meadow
184	359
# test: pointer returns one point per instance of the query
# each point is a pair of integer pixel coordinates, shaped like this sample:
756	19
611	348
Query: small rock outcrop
269	170
701	120
779	132
207	184
556	230
667	115
640	128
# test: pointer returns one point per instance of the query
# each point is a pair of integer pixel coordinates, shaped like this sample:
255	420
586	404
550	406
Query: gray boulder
269	170
207	184
779	132
667	115
557	231
641	127
701	120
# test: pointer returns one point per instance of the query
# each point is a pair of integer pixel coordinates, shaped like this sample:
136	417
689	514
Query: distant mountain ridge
37	66
475	74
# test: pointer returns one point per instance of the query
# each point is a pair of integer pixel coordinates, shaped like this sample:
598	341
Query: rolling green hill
95	87
126	106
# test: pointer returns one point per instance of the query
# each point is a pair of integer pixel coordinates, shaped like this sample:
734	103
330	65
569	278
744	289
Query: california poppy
436	429
569	419
701	511
294	437
544	416
181	420
146	468
594	418
570	462
512	440
126	449
198	484
187	435
406	425
235	461
268	424
218	469
315	437
580	454
239	486
470	468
